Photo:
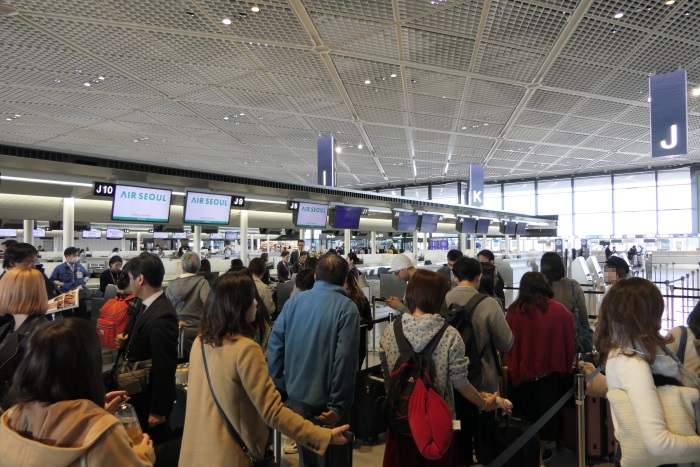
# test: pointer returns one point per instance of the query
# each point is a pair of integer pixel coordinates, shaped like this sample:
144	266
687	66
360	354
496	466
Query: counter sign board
134	203
668	94
103	189
207	208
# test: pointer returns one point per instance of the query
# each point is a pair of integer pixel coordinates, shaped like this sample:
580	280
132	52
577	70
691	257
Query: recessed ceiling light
255	8
670	2
486	124
57	81
101	78
393	75
368	81
619	15
86	84
338	149
78	70
17	115
9	119
464	128
696	92
414	81
225	118
359	146
226	21
241	114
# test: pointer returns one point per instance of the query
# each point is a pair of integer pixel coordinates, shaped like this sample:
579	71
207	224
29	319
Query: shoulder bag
267	461
133	377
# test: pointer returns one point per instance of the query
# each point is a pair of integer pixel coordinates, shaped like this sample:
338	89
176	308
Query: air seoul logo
142	196
210	201
321	209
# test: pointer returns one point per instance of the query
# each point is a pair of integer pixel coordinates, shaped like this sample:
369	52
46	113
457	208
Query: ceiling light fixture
255	8
393	75
670	2
86	84
619	15
338	149
695	92
368	81
226	21
359	146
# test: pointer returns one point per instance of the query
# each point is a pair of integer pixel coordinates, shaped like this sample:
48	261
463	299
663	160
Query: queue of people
247	373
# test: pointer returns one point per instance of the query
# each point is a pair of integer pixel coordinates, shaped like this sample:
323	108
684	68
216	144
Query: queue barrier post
277	446
581	420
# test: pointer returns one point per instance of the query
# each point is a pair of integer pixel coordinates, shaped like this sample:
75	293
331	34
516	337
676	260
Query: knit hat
400	262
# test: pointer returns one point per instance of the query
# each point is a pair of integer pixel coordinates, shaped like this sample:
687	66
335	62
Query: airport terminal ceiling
413	90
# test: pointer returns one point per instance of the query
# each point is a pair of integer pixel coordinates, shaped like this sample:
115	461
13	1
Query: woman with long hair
357	296
569	293
59	416
542	352
487	284
227	369
23	300
634	355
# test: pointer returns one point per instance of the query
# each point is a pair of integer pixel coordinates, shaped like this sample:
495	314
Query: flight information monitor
310	215
482	226
508	227
4	233
160	234
231	236
520	230
207	208
346	217
39	233
428	223
179	235
216	236
114	234
405	221
92	233
133	203
466	225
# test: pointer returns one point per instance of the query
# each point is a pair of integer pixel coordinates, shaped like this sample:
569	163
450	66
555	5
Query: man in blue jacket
312	352
72	275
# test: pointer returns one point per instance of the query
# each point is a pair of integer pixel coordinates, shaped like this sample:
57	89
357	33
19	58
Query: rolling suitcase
600	433
340	456
366	415
507	431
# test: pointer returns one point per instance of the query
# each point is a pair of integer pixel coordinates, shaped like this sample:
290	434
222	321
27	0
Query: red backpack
113	320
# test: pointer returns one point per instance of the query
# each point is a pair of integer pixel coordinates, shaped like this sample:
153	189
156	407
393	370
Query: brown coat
248	396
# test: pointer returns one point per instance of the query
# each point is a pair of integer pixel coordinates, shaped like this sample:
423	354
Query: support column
138	241
197	238
346	239
244	237
462	242
68	221
415	247
373	241
472	241
28	228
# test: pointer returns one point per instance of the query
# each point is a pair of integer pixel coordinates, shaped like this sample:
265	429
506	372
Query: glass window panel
635	223
564	226
593	224
445	193
635	180
635	199
391	192
554	203
492	197
674	197
592	184
416	193
678	221
674	177
519	197
593	201
556	186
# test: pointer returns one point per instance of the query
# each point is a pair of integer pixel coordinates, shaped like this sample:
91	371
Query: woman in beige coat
241	383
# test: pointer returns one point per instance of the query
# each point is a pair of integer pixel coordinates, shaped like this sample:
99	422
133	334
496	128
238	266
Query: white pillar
138	242
269	247
373	241
472	241
346	239
122	244
463	242
244	237
197	238
68	221
415	247
28	234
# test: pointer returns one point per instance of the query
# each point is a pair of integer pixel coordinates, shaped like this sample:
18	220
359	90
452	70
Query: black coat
283	272
154	336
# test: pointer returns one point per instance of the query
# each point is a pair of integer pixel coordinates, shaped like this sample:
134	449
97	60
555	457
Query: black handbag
267	461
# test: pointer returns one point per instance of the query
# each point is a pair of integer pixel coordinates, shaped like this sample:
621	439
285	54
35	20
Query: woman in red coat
542	352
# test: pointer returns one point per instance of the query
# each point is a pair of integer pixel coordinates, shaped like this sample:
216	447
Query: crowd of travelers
296	374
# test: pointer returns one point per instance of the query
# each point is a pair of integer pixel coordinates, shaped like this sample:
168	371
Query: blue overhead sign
668	95
326	162
476	185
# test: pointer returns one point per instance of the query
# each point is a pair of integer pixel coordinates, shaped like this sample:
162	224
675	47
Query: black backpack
12	345
409	368
460	316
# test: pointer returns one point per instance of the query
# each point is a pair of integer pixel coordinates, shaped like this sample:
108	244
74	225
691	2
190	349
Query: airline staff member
72	275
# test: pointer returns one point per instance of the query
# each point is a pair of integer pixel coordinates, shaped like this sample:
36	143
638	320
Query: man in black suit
295	254
153	336
446	271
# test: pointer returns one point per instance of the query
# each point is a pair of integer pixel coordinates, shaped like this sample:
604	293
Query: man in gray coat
493	335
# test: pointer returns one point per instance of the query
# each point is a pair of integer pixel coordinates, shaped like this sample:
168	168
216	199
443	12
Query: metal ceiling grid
159	13
354	72
524	24
637	147
683	20
308	64
432	83
584	154
465	141
383	131
598	108
626	132
432	122
472	156
607	144
475	113
433	105
636	115
639	13
498	156
576	74
564	138
320	108
544	120
485	129
436	148
437	49
390	117
625	84
431	137
272	22
581	125
526	134
357	35
380	144
375	97
494	93
553	101
362	8
508	61
310	87
404	155
431	157
459	20
659	54
602	42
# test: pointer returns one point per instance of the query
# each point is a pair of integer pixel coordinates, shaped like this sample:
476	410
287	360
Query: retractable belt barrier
535	427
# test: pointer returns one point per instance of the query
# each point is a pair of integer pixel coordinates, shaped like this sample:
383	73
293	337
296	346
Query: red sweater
542	342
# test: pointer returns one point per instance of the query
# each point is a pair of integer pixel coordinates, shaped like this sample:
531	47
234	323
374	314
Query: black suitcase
507	431
367	418
340	456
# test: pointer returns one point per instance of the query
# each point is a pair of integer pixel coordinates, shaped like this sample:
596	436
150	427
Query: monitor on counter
508	227
135	203
310	215
207	208
520	230
216	236
230	236
114	234
404	221
8	233
160	235
428	223
39	233
466	225
179	235
346	217
92	233
482	226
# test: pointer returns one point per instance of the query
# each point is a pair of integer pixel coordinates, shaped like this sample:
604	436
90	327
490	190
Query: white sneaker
291	448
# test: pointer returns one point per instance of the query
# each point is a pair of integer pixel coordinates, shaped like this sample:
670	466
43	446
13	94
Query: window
554	197
492	197
519	198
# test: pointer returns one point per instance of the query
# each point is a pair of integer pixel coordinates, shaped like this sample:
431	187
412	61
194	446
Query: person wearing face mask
25	255
111	275
72	275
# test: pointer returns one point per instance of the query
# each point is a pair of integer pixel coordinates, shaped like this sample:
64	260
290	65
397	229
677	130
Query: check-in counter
513	269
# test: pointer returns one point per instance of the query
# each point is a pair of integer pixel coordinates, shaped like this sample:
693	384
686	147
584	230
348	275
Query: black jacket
283	271
154	336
